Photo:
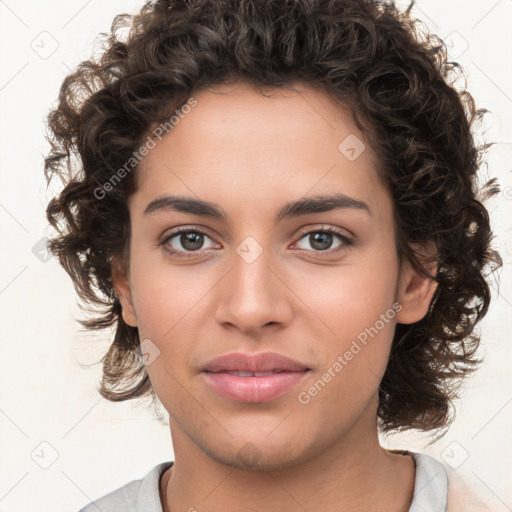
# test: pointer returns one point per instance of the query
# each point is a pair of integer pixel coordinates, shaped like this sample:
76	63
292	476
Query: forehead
238	145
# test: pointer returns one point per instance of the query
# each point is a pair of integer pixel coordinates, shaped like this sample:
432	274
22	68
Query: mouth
253	378
251	374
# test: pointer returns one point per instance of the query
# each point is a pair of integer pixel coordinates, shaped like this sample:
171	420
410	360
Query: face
319	286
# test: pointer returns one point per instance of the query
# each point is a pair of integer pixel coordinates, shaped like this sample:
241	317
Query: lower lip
253	389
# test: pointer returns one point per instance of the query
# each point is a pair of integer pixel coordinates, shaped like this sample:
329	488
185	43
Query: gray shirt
430	490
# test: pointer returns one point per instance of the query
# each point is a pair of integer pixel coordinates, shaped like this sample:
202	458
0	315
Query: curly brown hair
365	54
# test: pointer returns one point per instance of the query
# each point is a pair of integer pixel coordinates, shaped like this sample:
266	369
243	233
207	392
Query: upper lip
262	362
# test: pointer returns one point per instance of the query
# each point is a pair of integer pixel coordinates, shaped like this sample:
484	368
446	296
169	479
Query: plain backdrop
61	444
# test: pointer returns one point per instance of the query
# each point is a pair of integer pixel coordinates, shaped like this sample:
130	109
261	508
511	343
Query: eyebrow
303	206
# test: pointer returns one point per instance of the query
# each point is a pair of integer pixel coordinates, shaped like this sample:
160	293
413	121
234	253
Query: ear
121	283
415	289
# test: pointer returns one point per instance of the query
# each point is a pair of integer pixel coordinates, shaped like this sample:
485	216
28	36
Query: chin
261	455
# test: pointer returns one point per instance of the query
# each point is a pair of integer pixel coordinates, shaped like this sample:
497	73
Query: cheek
359	308
355	295
170	313
166	296
355	357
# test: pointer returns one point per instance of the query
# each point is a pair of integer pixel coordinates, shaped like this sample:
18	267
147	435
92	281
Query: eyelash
347	241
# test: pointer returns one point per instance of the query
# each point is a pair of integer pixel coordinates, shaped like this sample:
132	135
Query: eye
189	242
185	240
320	240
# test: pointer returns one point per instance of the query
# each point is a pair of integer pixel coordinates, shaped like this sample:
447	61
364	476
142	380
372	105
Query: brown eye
191	241
321	240
185	240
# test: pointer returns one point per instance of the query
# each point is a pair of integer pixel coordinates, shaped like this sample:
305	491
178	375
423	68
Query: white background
48	379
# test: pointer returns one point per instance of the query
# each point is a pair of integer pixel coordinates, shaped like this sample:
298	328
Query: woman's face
319	287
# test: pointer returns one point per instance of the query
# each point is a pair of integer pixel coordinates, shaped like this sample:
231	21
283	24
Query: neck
353	473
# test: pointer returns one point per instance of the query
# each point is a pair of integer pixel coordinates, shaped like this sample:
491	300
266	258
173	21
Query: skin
250	154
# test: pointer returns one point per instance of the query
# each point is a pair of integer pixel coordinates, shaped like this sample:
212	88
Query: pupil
321	241
191	241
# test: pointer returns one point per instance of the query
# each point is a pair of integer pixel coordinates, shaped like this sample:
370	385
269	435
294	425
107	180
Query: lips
263	362
252	374
253	378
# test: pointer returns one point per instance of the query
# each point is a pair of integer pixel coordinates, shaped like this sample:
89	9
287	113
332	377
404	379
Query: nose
254	295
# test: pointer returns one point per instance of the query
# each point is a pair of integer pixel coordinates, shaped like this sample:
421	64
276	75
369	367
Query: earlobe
416	291
122	288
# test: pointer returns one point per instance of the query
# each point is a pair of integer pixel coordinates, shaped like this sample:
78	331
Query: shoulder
430	484
437	483
465	493
137	495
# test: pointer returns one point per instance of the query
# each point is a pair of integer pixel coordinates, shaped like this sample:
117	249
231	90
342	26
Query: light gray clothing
430	490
